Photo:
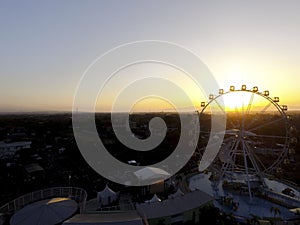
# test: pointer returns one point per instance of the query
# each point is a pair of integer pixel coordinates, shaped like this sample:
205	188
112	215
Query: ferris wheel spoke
265	108
250	104
218	104
259	114
265	124
254	159
229	161
243	117
246	168
279	159
225	140
252	151
211	133
224	112
270	136
237	113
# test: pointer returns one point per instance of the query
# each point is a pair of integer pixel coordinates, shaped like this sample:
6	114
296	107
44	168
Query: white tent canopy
155	198
151	173
106	196
45	212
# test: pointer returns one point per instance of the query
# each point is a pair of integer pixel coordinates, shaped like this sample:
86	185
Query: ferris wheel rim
283	115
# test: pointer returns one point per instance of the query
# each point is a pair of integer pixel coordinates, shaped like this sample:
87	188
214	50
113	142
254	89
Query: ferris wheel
257	136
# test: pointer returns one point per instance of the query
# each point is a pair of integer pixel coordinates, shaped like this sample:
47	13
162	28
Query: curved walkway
77	194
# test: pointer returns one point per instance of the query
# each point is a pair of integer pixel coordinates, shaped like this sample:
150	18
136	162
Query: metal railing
77	194
282	199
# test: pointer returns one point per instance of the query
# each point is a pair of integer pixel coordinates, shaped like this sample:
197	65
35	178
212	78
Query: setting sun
243	100
234	100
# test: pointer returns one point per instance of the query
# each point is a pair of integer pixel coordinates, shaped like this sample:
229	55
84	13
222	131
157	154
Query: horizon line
104	112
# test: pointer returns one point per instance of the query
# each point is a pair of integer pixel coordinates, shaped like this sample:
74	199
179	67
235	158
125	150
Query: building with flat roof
176	209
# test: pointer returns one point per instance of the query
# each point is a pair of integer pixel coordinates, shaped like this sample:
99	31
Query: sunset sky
46	46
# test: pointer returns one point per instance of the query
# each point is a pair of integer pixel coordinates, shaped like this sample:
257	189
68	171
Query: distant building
8	150
34	171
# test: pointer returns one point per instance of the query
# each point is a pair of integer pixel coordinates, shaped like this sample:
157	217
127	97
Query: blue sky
45	46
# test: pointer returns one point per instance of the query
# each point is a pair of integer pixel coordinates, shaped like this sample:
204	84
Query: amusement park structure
258	138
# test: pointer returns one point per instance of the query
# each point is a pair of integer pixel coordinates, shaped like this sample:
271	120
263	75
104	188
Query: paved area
245	208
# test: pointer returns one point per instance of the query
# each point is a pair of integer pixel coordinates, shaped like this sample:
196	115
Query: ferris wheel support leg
247	172
256	167
245	154
228	161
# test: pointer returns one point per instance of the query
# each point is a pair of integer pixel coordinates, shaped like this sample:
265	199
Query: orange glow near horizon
151	105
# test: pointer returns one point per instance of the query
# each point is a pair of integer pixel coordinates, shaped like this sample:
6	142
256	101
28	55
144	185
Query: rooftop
174	205
128	218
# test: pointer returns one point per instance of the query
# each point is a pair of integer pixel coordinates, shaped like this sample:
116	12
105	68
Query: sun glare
241	101
235	101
